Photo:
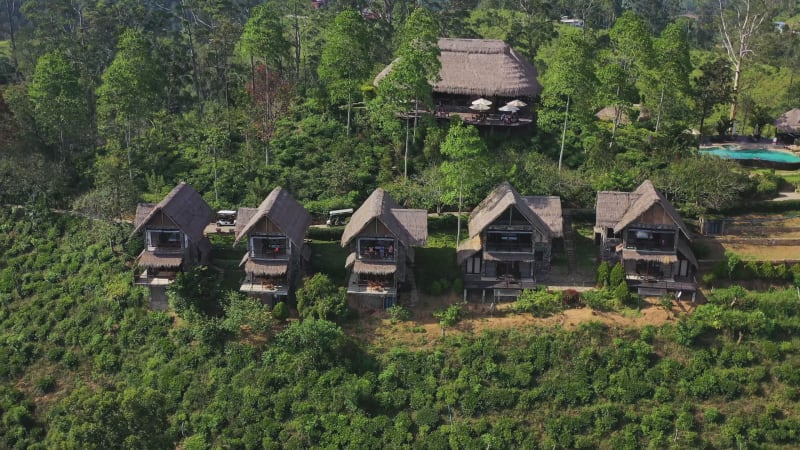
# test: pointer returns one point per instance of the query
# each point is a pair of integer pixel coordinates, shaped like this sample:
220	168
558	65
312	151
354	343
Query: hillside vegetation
84	364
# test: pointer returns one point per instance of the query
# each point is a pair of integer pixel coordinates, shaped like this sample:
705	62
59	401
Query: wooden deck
494	119
354	287
260	288
474	281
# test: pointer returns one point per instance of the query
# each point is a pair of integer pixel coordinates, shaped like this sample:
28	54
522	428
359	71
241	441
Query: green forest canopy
110	103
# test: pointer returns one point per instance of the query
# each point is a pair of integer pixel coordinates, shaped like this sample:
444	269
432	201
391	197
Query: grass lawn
585	250
227	258
437	261
328	257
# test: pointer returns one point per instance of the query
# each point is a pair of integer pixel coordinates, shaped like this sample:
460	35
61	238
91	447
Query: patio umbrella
482	101
517	104
508	108
479	107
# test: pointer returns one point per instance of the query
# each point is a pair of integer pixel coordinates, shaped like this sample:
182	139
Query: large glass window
520	241
650	240
269	247
163	240
376	248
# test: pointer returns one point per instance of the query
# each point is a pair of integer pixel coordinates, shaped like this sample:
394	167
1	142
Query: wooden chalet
510	240
643	230
174	239
276	250
481	68
381	236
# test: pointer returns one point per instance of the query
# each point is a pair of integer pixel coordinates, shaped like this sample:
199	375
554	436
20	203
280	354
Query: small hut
276	250
788	125
173	231
510	240
643	231
381	236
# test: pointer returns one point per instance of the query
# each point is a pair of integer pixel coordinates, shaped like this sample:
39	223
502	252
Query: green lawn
328	257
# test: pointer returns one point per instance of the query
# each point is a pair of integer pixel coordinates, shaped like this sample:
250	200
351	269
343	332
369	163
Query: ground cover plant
83	363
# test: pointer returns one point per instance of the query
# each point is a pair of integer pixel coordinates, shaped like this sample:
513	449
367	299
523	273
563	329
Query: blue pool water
752	154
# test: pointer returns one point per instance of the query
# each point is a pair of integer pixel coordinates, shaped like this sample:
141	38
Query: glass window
266	247
163	239
376	248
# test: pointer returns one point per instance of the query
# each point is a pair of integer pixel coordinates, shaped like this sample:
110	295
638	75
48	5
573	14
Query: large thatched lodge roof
282	210
184	206
482	68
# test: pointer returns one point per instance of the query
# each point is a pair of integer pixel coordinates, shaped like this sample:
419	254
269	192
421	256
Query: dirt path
424	330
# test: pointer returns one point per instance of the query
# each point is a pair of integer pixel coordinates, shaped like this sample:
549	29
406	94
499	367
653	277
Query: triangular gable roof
481	68
548	208
496	203
639	201
284	211
410	226
184	206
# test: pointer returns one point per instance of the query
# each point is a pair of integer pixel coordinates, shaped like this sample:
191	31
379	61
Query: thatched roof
158	260
410	226
243	216
548	208
789	122
266	268
468	248
481	68
609	113
617	210
500	199
282	210
184	206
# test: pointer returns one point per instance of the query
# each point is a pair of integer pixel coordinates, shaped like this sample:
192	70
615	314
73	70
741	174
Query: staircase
569	244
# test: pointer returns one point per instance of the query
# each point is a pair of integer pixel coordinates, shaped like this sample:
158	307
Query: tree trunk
349	107
660	104
460	202
563	134
10	12
405	157
737	74
267	113
416	107
193	55
296	43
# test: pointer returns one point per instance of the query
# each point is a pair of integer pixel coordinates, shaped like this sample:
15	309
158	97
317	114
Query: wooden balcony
150	278
489	118
354	286
478	281
257	287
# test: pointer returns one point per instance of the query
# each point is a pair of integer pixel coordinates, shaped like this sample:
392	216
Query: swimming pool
759	157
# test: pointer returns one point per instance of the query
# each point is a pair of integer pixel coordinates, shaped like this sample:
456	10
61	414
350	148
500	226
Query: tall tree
263	39
59	103
739	24
567	80
462	147
415	68
671	74
130	93
630	57
711	88
345	60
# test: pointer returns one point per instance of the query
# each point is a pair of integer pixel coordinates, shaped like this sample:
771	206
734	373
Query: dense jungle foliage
84	364
109	103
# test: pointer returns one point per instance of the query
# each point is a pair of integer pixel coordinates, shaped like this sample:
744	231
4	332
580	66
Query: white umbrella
482	101
508	108
479	107
517	103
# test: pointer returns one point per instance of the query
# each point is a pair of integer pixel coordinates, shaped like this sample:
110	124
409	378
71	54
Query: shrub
570	298
280	312
766	270
445	284
708	279
617	275
436	288
602	274
321	298
45	384
398	314
621	293
538	302
599	300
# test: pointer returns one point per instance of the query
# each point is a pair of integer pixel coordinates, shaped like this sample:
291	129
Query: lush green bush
603	273
617	275
539	302
398	313
280	311
322	299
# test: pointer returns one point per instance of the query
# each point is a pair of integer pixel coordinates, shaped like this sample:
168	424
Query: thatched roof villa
480	68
